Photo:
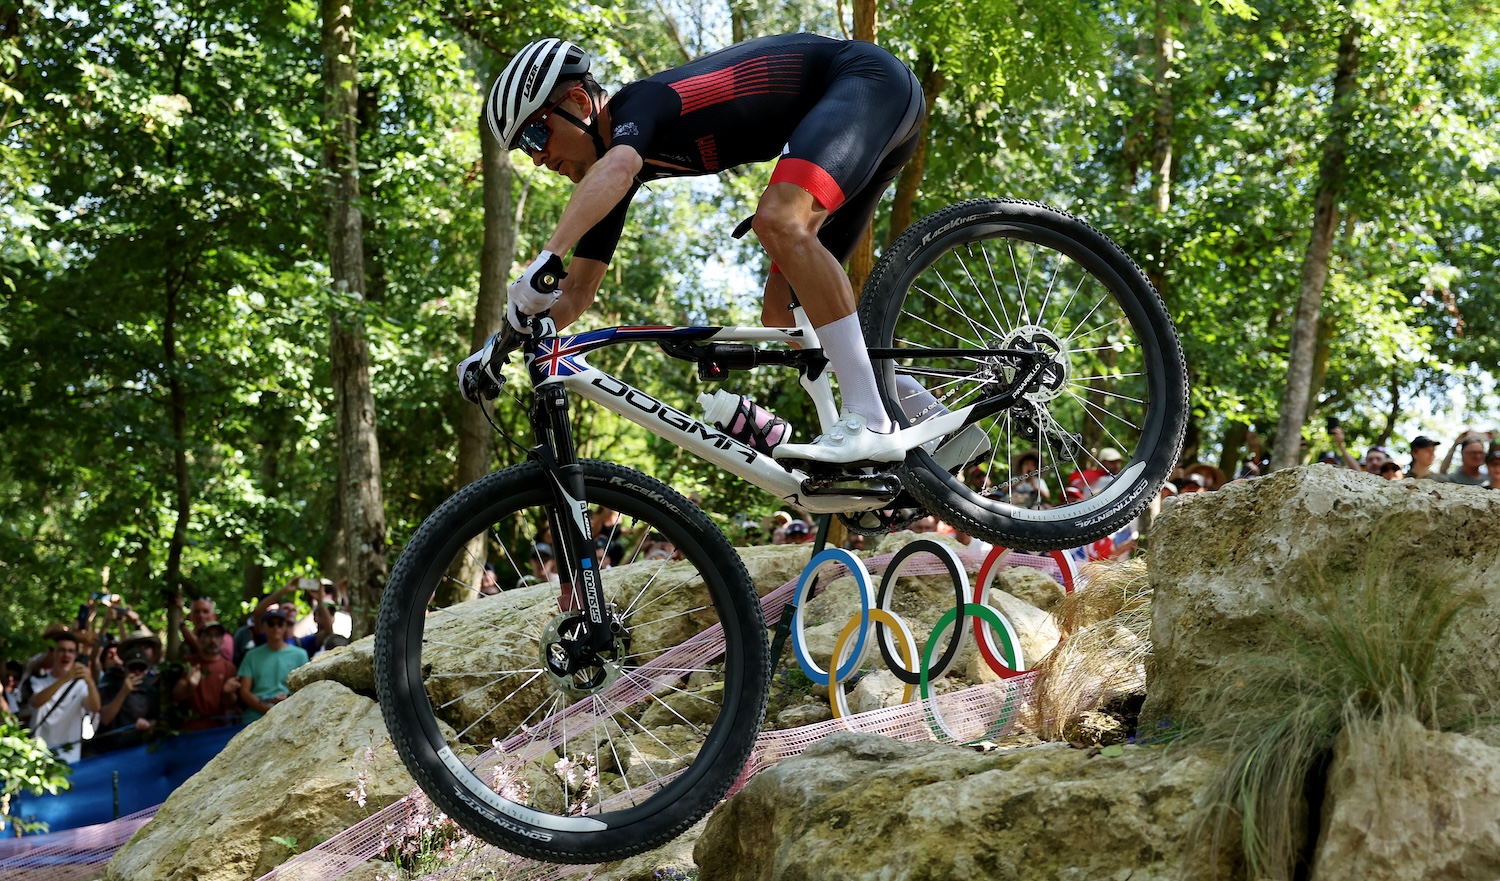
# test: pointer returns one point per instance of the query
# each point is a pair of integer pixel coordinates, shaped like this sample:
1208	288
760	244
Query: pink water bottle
744	420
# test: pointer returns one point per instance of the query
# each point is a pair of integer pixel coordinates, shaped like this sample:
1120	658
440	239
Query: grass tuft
1369	643
1106	638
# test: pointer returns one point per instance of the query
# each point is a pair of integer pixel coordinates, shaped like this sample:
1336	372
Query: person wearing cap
199	615
1492	468
797	532
265	668
1090	481
1423	453
1192	483
132	702
60	695
209	689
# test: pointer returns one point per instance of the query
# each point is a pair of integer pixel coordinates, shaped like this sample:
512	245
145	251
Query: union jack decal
561	357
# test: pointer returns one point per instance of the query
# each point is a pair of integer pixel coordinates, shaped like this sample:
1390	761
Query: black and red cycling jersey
842	116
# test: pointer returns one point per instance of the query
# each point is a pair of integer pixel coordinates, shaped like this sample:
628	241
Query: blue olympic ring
861	577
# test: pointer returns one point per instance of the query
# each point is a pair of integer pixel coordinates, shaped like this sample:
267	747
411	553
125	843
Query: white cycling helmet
523	87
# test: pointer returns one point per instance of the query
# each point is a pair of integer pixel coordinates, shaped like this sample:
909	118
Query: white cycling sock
916	401
844	346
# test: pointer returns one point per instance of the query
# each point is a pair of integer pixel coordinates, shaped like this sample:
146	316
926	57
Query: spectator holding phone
60	695
198	616
132	702
1336	434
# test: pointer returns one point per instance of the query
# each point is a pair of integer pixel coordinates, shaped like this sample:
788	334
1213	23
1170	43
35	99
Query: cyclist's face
566	149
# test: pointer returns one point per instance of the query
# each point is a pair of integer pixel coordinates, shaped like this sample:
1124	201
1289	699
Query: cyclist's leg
839	160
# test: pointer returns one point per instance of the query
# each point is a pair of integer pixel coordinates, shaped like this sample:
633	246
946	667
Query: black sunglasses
533	136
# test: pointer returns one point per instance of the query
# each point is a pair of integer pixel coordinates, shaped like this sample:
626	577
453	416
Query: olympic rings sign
999	644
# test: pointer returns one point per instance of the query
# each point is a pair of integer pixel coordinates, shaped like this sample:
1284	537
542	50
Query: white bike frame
562	361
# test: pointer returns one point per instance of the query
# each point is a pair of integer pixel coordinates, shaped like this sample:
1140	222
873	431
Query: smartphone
311	584
1332	423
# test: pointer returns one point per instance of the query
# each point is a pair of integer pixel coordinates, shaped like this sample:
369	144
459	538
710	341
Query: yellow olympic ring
907	646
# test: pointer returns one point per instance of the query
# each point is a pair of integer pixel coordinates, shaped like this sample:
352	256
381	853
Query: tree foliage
160	174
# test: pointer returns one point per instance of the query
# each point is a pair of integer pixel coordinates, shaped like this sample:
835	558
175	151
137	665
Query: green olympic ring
1009	648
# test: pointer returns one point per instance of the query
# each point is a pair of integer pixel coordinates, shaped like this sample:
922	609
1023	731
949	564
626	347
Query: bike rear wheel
528	736
1002	274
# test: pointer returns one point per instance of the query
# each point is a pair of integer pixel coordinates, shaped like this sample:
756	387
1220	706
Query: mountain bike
601	710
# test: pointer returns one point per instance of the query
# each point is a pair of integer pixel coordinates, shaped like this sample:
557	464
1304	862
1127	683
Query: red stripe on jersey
772	75
810	177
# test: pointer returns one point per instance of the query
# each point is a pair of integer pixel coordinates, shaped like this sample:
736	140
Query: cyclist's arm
578	289
606	183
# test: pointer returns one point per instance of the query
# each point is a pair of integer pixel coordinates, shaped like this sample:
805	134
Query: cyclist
842	117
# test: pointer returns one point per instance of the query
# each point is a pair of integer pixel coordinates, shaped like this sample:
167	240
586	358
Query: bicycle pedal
884	486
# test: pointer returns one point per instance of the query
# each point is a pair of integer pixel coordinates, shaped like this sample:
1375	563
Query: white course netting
416	833
70	854
412	826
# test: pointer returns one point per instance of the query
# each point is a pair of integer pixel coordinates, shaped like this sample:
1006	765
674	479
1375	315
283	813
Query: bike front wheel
1095	436
532	736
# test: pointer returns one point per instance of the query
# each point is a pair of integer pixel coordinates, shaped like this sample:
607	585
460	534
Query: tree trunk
475	439
1393	412
270	477
740	14
1164	115
181	496
1234	441
933	81
349	354
862	261
1294	399
1163	118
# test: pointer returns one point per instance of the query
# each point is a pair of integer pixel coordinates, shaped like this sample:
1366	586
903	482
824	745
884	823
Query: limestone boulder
1228	568
289	775
771	566
673	860
859	806
353	665
1410	804
1031	586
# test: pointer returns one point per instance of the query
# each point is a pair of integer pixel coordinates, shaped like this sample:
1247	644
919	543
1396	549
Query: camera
1332	423
136	665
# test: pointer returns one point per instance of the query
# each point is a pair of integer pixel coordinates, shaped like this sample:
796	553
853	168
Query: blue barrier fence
118	783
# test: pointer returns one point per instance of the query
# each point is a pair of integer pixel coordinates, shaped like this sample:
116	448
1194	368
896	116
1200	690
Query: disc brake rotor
571	665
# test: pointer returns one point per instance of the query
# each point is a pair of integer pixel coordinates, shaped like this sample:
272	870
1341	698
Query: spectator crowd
104	685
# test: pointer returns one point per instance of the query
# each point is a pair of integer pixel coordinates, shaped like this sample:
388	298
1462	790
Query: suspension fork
572	532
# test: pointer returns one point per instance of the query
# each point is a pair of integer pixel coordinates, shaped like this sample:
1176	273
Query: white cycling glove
535	291
463	368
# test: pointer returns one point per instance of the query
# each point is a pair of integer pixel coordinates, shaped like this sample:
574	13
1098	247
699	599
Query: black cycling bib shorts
842	116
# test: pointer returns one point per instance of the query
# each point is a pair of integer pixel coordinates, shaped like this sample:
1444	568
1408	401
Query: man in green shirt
264	670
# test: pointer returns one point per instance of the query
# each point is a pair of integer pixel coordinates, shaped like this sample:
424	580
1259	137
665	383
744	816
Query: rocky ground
1228	579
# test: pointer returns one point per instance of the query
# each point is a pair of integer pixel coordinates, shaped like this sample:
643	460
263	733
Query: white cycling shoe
849	440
